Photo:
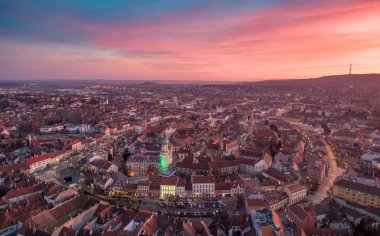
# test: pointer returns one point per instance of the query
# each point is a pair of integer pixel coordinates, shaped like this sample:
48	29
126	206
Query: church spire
221	141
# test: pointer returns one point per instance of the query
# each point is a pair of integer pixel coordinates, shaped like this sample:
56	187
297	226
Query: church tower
145	121
250	123
29	140
164	153
221	141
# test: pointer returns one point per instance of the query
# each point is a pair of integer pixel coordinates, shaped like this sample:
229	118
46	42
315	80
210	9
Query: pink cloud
285	41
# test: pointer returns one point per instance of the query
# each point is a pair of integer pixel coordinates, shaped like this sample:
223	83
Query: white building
41	162
203	186
51	129
82	128
263	164
76	145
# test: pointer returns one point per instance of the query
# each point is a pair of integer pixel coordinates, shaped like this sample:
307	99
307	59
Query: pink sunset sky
188	40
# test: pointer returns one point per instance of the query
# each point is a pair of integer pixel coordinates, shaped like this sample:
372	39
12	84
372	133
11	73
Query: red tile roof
296	187
298	211
199	179
169	180
24	191
222	186
256	203
142	216
46	156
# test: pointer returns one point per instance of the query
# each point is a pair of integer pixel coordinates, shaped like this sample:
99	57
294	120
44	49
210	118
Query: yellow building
357	193
172	186
167	191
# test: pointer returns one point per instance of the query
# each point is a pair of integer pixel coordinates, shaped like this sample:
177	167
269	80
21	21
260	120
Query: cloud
144	53
192	39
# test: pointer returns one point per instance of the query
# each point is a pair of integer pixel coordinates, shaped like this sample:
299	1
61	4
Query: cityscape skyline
190	118
194	40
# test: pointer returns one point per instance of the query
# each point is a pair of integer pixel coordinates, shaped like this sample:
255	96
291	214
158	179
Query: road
333	173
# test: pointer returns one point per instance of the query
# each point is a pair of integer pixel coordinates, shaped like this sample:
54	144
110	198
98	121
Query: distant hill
7	84
331	81
148	84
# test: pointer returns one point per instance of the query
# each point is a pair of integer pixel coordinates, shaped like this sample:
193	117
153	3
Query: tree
273	127
126	155
3	190
364	228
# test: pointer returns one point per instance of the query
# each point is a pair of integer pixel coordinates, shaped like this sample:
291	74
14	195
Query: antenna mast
350	68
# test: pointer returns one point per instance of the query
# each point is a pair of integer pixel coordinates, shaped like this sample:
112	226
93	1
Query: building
221	147
203	186
253	204
172	186
248	166
121	188
165	155
143	161
76	145
296	192
142	189
103	166
103	181
357	193
222	189
41	162
237	185
8	225
267	222
302	216
277	201
16	195
51	129
264	164
82	128
224	167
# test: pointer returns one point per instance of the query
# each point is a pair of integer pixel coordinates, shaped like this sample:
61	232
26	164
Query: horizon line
171	80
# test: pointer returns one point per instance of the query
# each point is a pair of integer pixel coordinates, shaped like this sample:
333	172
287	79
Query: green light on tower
164	149
163	164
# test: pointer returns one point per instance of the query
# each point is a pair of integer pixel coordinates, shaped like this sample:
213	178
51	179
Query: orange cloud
292	40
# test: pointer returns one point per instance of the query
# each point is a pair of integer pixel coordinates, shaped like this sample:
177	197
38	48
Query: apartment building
357	193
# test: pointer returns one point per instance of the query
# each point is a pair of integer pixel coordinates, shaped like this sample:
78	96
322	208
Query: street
328	181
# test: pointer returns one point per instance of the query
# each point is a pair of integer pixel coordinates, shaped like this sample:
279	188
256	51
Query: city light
189	117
